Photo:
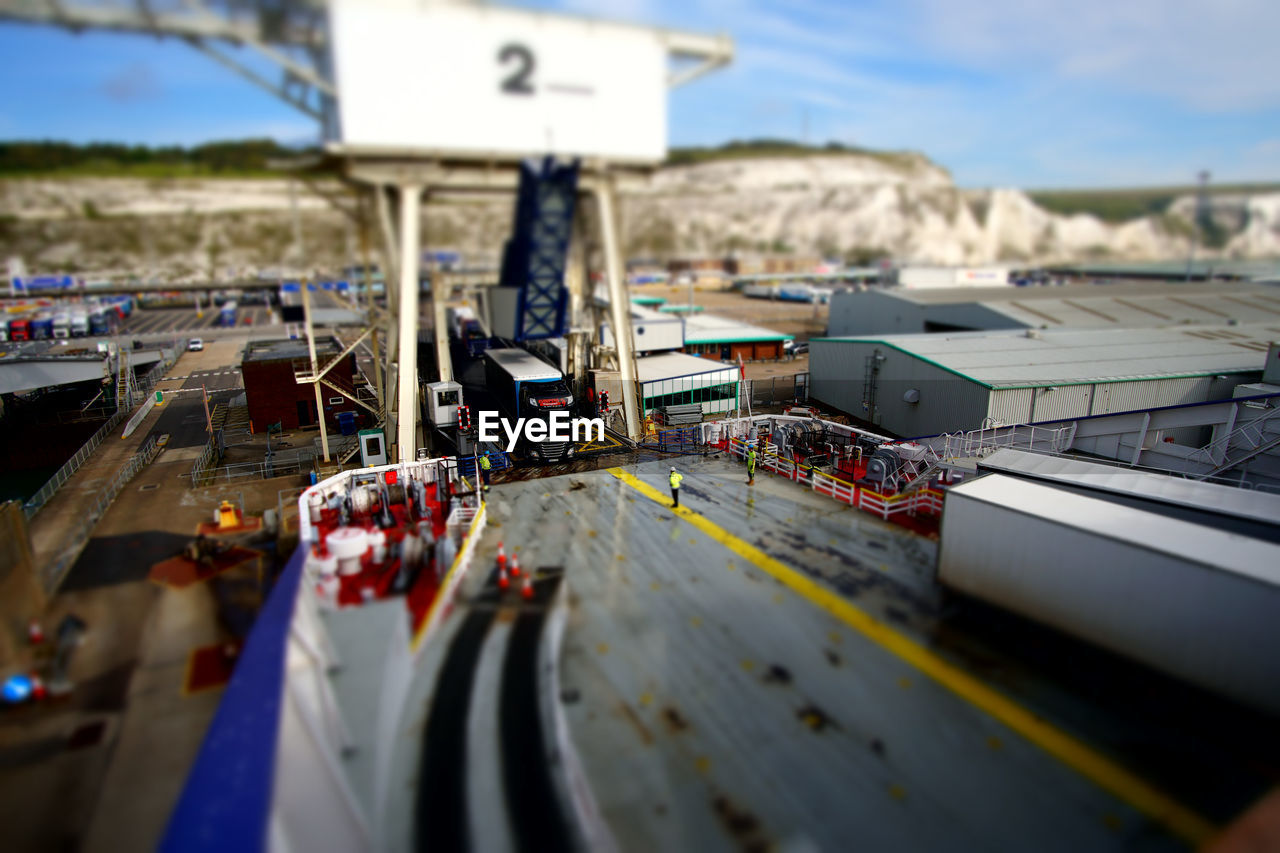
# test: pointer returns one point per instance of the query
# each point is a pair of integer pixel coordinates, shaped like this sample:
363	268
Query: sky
1030	93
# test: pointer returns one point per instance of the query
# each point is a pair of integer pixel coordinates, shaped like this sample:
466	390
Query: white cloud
1211	56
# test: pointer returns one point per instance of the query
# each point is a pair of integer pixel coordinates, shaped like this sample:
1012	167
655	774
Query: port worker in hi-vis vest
751	466
675	479
485	466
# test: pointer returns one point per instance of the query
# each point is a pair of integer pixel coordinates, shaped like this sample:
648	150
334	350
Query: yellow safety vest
675	479
484	462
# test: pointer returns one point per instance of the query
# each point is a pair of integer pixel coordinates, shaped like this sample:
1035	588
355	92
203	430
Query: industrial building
917	385
1199	270
1082	306
687	328
651	330
943	277
728	340
672	378
275	396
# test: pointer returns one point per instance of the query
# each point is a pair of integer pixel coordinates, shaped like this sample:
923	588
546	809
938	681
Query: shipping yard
837	549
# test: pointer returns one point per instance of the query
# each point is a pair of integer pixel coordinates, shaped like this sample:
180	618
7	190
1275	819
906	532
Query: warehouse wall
872	312
947	402
876	312
969	315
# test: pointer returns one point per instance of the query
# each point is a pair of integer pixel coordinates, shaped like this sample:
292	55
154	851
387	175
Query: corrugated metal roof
1243	503
1005	358
1264	268
1129	305
710	329
673	365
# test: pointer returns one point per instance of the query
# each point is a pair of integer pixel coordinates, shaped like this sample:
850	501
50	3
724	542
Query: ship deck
767	667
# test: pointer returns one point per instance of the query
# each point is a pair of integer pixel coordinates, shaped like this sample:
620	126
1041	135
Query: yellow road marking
608	442
1091	764
447	582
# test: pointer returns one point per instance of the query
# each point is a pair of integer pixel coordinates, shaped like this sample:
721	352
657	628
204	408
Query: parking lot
145	321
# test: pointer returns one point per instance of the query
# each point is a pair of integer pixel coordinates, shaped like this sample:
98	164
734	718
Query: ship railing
979	443
715	432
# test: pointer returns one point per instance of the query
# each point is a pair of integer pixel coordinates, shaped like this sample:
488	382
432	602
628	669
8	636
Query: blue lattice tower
537	253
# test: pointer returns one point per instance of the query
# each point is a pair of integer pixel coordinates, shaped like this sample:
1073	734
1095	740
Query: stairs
1248	454
124	381
1248	441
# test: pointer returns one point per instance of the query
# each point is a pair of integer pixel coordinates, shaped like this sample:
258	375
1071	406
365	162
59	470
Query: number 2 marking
518	82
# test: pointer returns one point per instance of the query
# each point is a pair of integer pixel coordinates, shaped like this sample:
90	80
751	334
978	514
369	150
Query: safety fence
69	468
498	460
910	503
50	488
54	573
282	464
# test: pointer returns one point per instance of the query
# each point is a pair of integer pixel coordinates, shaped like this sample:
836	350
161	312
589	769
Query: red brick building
273	392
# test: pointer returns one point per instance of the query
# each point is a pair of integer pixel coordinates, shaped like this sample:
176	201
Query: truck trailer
1193	601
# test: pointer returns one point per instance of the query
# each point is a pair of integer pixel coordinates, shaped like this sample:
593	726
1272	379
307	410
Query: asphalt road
216	370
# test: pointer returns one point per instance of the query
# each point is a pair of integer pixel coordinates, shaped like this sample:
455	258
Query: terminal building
1129	305
274	394
918	385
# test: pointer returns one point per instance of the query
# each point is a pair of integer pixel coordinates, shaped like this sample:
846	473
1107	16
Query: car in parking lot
195	345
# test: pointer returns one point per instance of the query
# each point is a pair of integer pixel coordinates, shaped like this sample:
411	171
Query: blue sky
1035	93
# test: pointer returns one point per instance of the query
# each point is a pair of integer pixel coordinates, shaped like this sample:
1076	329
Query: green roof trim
1146	377
742	340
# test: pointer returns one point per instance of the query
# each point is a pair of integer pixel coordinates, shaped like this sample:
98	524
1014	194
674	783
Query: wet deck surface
715	706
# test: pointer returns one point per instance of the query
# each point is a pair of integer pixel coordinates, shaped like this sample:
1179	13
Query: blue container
347	422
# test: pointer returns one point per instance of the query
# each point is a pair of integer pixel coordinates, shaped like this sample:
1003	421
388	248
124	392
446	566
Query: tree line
233	157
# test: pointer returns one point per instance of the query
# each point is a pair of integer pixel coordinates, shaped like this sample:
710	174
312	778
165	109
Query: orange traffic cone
35	633
515	565
502	555
526	588
38	690
503	583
